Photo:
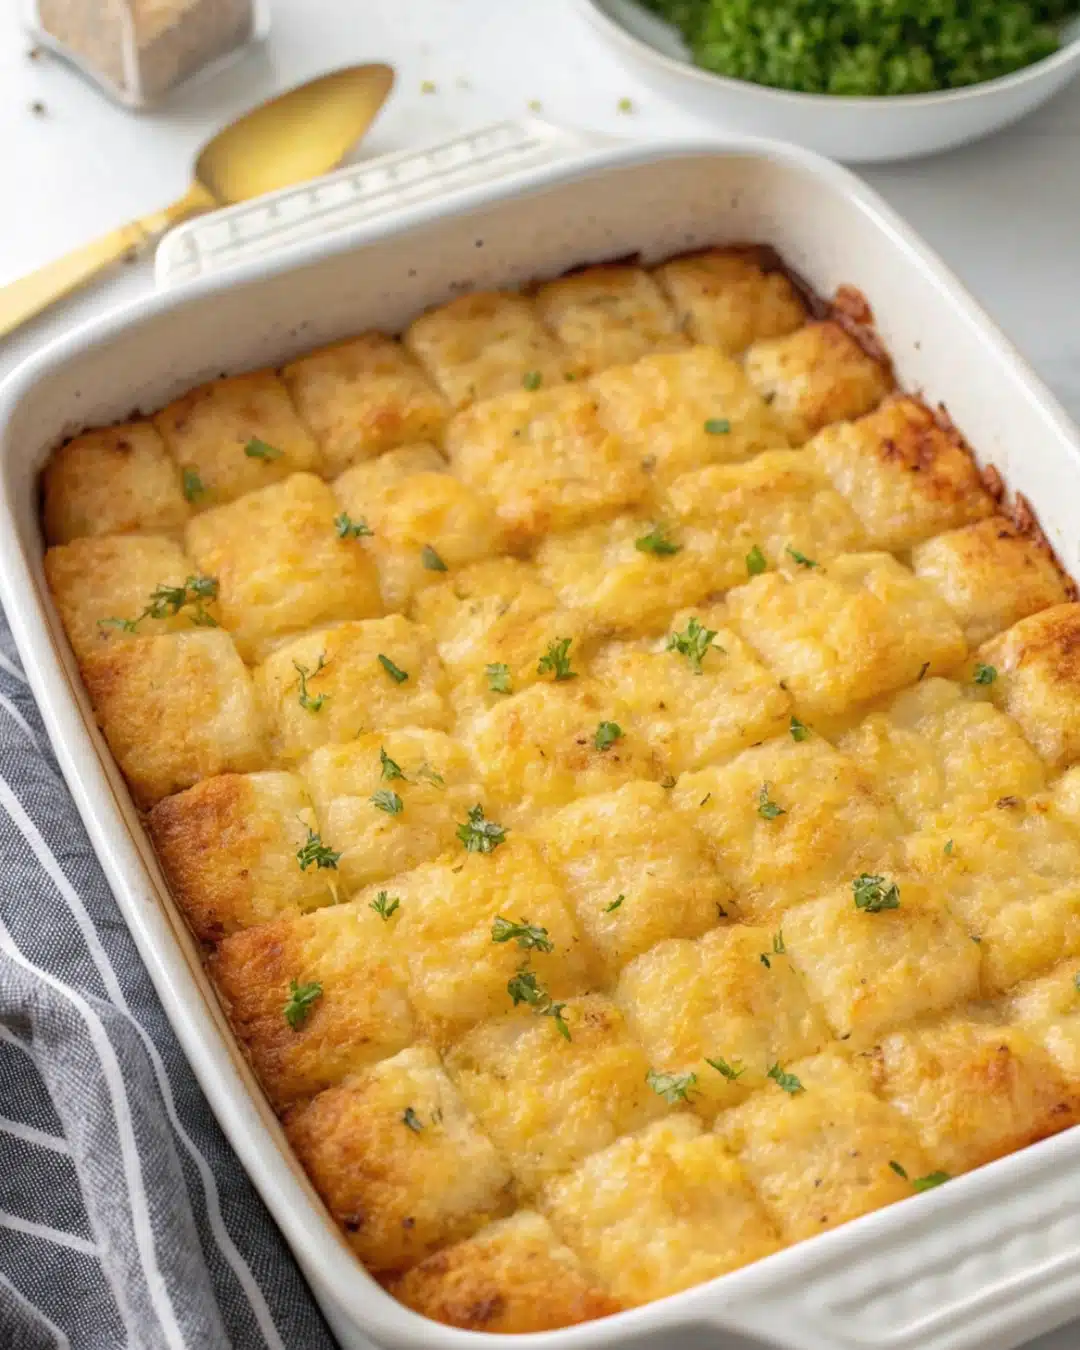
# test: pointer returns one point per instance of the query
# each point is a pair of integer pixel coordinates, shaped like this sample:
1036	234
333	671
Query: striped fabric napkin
125	1219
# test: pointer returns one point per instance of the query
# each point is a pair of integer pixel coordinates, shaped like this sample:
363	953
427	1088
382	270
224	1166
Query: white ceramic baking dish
984	1263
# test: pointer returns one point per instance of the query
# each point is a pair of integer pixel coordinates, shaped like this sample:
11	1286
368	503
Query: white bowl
855	130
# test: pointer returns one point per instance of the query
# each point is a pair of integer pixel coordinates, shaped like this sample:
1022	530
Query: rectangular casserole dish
989	1261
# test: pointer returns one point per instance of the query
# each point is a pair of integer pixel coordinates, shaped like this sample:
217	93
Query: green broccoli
867	47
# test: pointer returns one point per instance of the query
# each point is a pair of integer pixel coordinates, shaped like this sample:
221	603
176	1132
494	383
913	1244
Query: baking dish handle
364	193
988	1262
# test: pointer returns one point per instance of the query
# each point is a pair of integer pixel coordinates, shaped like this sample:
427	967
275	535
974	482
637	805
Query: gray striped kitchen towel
125	1218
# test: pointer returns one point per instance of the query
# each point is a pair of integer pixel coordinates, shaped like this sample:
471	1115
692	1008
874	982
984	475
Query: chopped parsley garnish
167	601
718	426
756	562
498	677
692	643
657	542
926	1183
532	380
610	909
802	559
778	949
398	675
312	703
557	660
412	1120
524	988
607	733
385	906
480	835
314	853
767	809
257	448
930	1181
949	846
299	1003
1076	981
732	1072
390	802
193	485
872	894
391	769
347	528
984	674
431	559
430	775
673	1087
528	936
787	1081
799	730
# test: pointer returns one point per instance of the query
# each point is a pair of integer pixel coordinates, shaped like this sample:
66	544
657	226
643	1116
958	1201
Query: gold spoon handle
22	299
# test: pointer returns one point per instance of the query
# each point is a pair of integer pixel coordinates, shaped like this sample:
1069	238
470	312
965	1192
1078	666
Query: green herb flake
480	835
398	675
390	802
314	853
899	1170
1076	981
427	774
693	642
625	105
787	1081
717	426
257	448
193	485
931	1181
385	906
607	733
949	847
873	895
658	543
300	1001
431	560
801	559
347	528
498	678
166	602
767	809
922	672
412	1121
391	769
799	730
532	380
528	936
778	949
557	660
756	562
732	1072
310	702
525	988
610	909
673	1087
984	674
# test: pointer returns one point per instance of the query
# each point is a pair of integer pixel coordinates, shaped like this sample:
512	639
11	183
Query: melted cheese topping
623	844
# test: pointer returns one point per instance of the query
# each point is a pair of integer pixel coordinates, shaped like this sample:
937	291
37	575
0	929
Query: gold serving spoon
298	135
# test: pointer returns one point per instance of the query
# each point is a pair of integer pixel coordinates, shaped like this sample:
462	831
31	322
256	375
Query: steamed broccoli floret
866	46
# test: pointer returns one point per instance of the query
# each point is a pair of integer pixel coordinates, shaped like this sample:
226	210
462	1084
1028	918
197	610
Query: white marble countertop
1005	213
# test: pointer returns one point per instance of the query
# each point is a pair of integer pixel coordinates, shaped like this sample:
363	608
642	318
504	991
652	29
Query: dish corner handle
365	192
988	1267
